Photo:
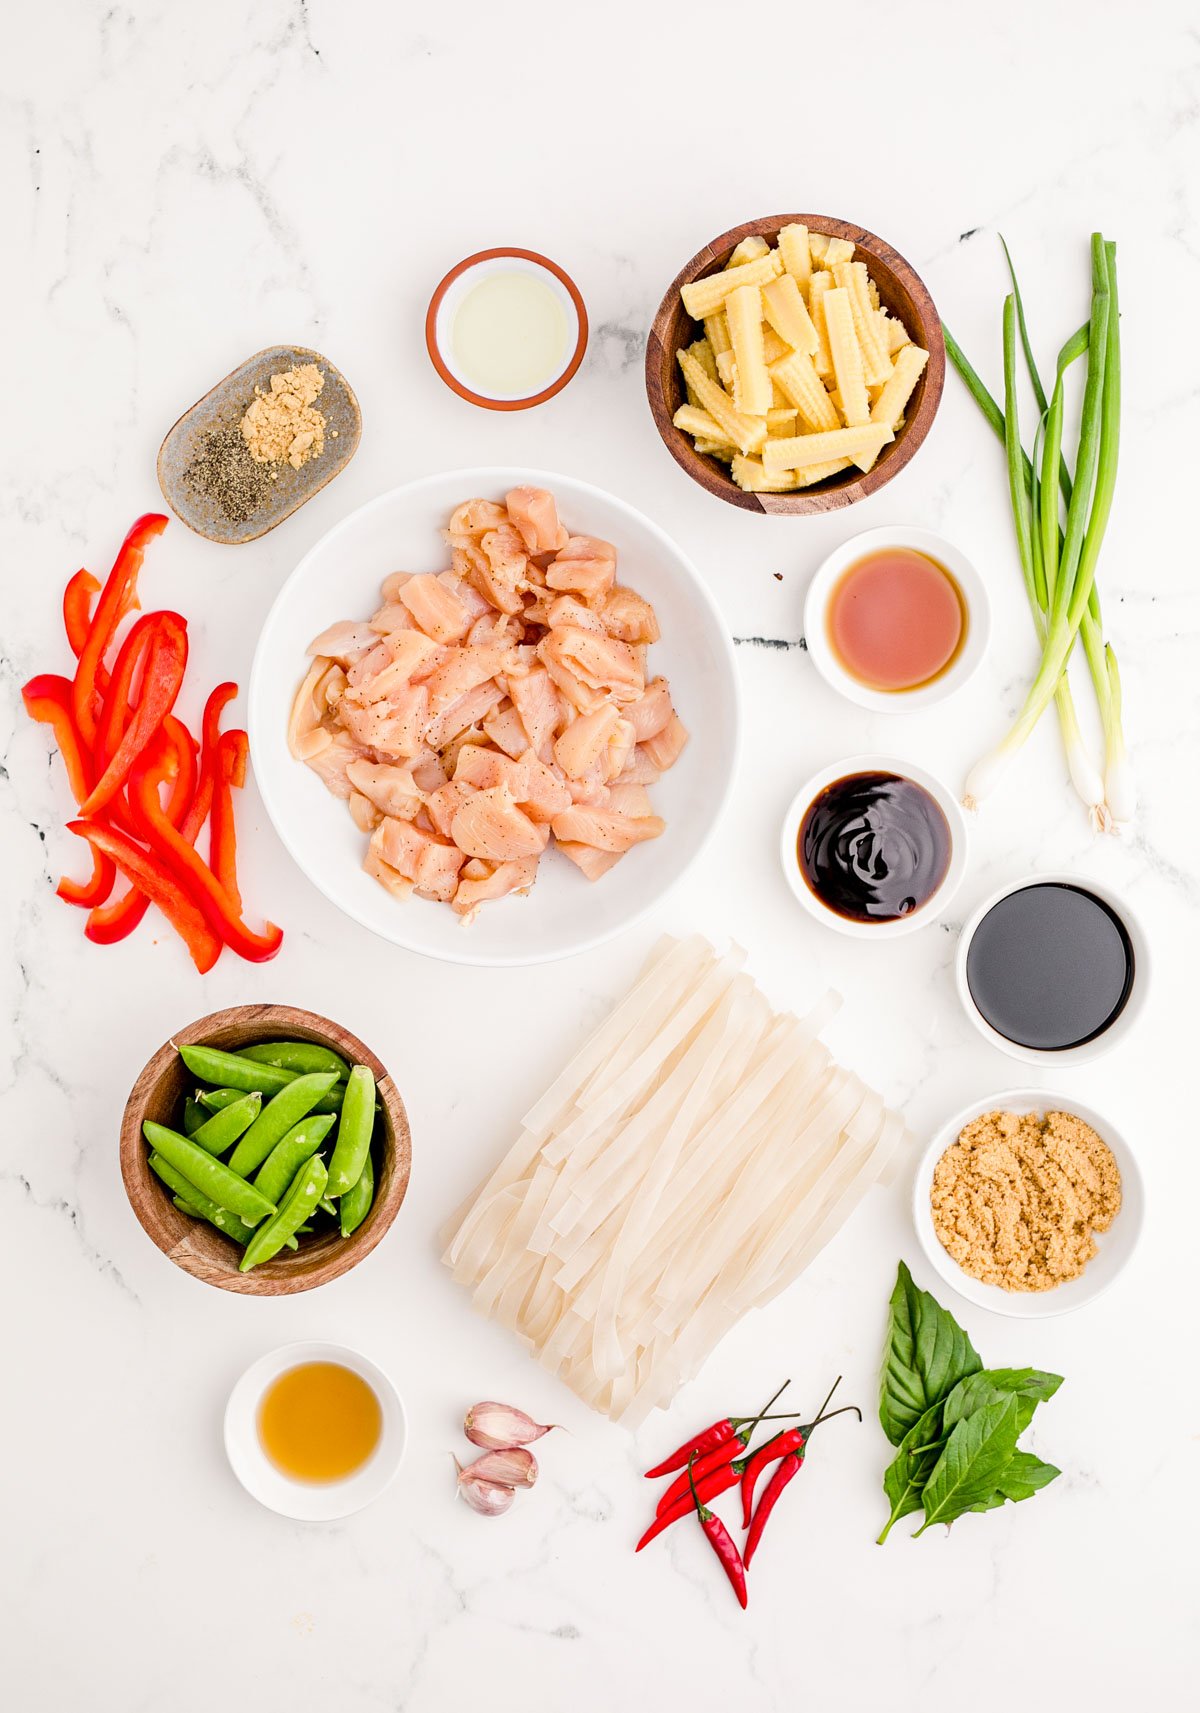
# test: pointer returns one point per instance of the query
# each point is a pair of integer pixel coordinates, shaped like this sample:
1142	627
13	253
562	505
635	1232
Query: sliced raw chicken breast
666	747
390	788
489	824
344	642
480	882
628	617
585	565
438	611
605	829
590	861
535	515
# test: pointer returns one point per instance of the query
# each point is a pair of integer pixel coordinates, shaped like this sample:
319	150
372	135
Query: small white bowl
312	1502
816	611
449	295
933	907
1113	1247
1122	1024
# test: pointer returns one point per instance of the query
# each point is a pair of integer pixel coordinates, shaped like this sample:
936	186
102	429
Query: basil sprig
955	1424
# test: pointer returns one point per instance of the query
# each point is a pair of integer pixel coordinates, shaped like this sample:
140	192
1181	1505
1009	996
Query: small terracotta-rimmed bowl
199	1248
223	406
900	291
443	306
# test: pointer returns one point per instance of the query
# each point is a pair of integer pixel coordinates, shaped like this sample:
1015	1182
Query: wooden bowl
199	1248
900	291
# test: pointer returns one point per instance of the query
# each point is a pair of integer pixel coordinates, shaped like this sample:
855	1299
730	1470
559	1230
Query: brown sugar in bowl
901	292
199	1248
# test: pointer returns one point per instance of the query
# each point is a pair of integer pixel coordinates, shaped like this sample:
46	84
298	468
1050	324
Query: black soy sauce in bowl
1050	966
874	847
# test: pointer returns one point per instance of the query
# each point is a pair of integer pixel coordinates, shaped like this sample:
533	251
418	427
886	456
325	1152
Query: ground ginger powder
281	424
1017	1198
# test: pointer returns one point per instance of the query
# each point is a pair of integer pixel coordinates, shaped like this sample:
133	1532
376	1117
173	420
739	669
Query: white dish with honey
315	1431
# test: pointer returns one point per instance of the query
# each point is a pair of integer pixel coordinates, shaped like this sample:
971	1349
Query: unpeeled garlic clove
487	1498
497	1426
511	1466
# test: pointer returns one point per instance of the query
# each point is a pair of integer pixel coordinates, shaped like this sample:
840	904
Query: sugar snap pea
354	1131
355	1205
301	1142
294	1101
193	1115
222	1130
216	1180
217	1099
297	1056
306	1191
230	1070
199	1205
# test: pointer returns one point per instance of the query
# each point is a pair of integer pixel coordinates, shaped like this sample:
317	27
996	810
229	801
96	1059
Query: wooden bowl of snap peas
320	1251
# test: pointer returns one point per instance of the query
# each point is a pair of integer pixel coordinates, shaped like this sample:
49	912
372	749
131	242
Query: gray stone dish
225	405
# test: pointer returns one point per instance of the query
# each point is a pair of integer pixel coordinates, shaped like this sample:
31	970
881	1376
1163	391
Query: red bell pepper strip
722	1543
705	1462
166	659
77	609
193	873
222	833
93	891
159	885
117	597
118	700
188	809
720	1433
48	698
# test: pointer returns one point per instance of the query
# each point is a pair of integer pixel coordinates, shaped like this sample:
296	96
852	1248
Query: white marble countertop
184	185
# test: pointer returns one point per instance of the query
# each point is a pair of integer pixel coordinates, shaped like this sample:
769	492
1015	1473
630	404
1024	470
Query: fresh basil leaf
969	1469
1023	1476
1030	1385
926	1355
905	1477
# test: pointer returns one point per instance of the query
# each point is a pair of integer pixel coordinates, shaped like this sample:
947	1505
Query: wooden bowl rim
820	499
276	1277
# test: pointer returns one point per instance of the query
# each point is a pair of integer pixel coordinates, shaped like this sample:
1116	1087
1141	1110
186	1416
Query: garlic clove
497	1426
512	1466
486	1498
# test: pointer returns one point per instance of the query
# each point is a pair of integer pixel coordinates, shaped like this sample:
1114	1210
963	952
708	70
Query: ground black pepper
224	471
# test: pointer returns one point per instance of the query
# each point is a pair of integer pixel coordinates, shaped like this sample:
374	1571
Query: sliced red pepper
48	698
166	659
90	893
187	807
118	699
159	885
222	833
77	609
117	597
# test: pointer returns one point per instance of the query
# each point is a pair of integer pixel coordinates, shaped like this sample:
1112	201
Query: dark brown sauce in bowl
873	847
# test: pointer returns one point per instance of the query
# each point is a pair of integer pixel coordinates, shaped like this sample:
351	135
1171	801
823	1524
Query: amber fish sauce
896	620
319	1422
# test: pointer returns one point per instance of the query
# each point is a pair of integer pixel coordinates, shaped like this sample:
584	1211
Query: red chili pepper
166	658
194	874
77	609
713	1459
722	1543
787	1469
117	597
712	1485
159	885
719	1434
771	1452
48	698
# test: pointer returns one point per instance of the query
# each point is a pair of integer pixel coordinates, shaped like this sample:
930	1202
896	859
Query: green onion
1058	565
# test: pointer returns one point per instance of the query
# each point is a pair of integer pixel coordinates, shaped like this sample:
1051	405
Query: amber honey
319	1422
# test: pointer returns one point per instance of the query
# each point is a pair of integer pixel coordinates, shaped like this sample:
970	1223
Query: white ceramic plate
1113	1247
901	925
339	579
826	579
313	1502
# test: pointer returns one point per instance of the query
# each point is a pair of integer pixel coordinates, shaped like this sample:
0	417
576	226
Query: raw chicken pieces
491	710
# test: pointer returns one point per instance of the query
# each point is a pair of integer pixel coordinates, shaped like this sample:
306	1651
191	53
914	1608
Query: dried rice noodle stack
693	1158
